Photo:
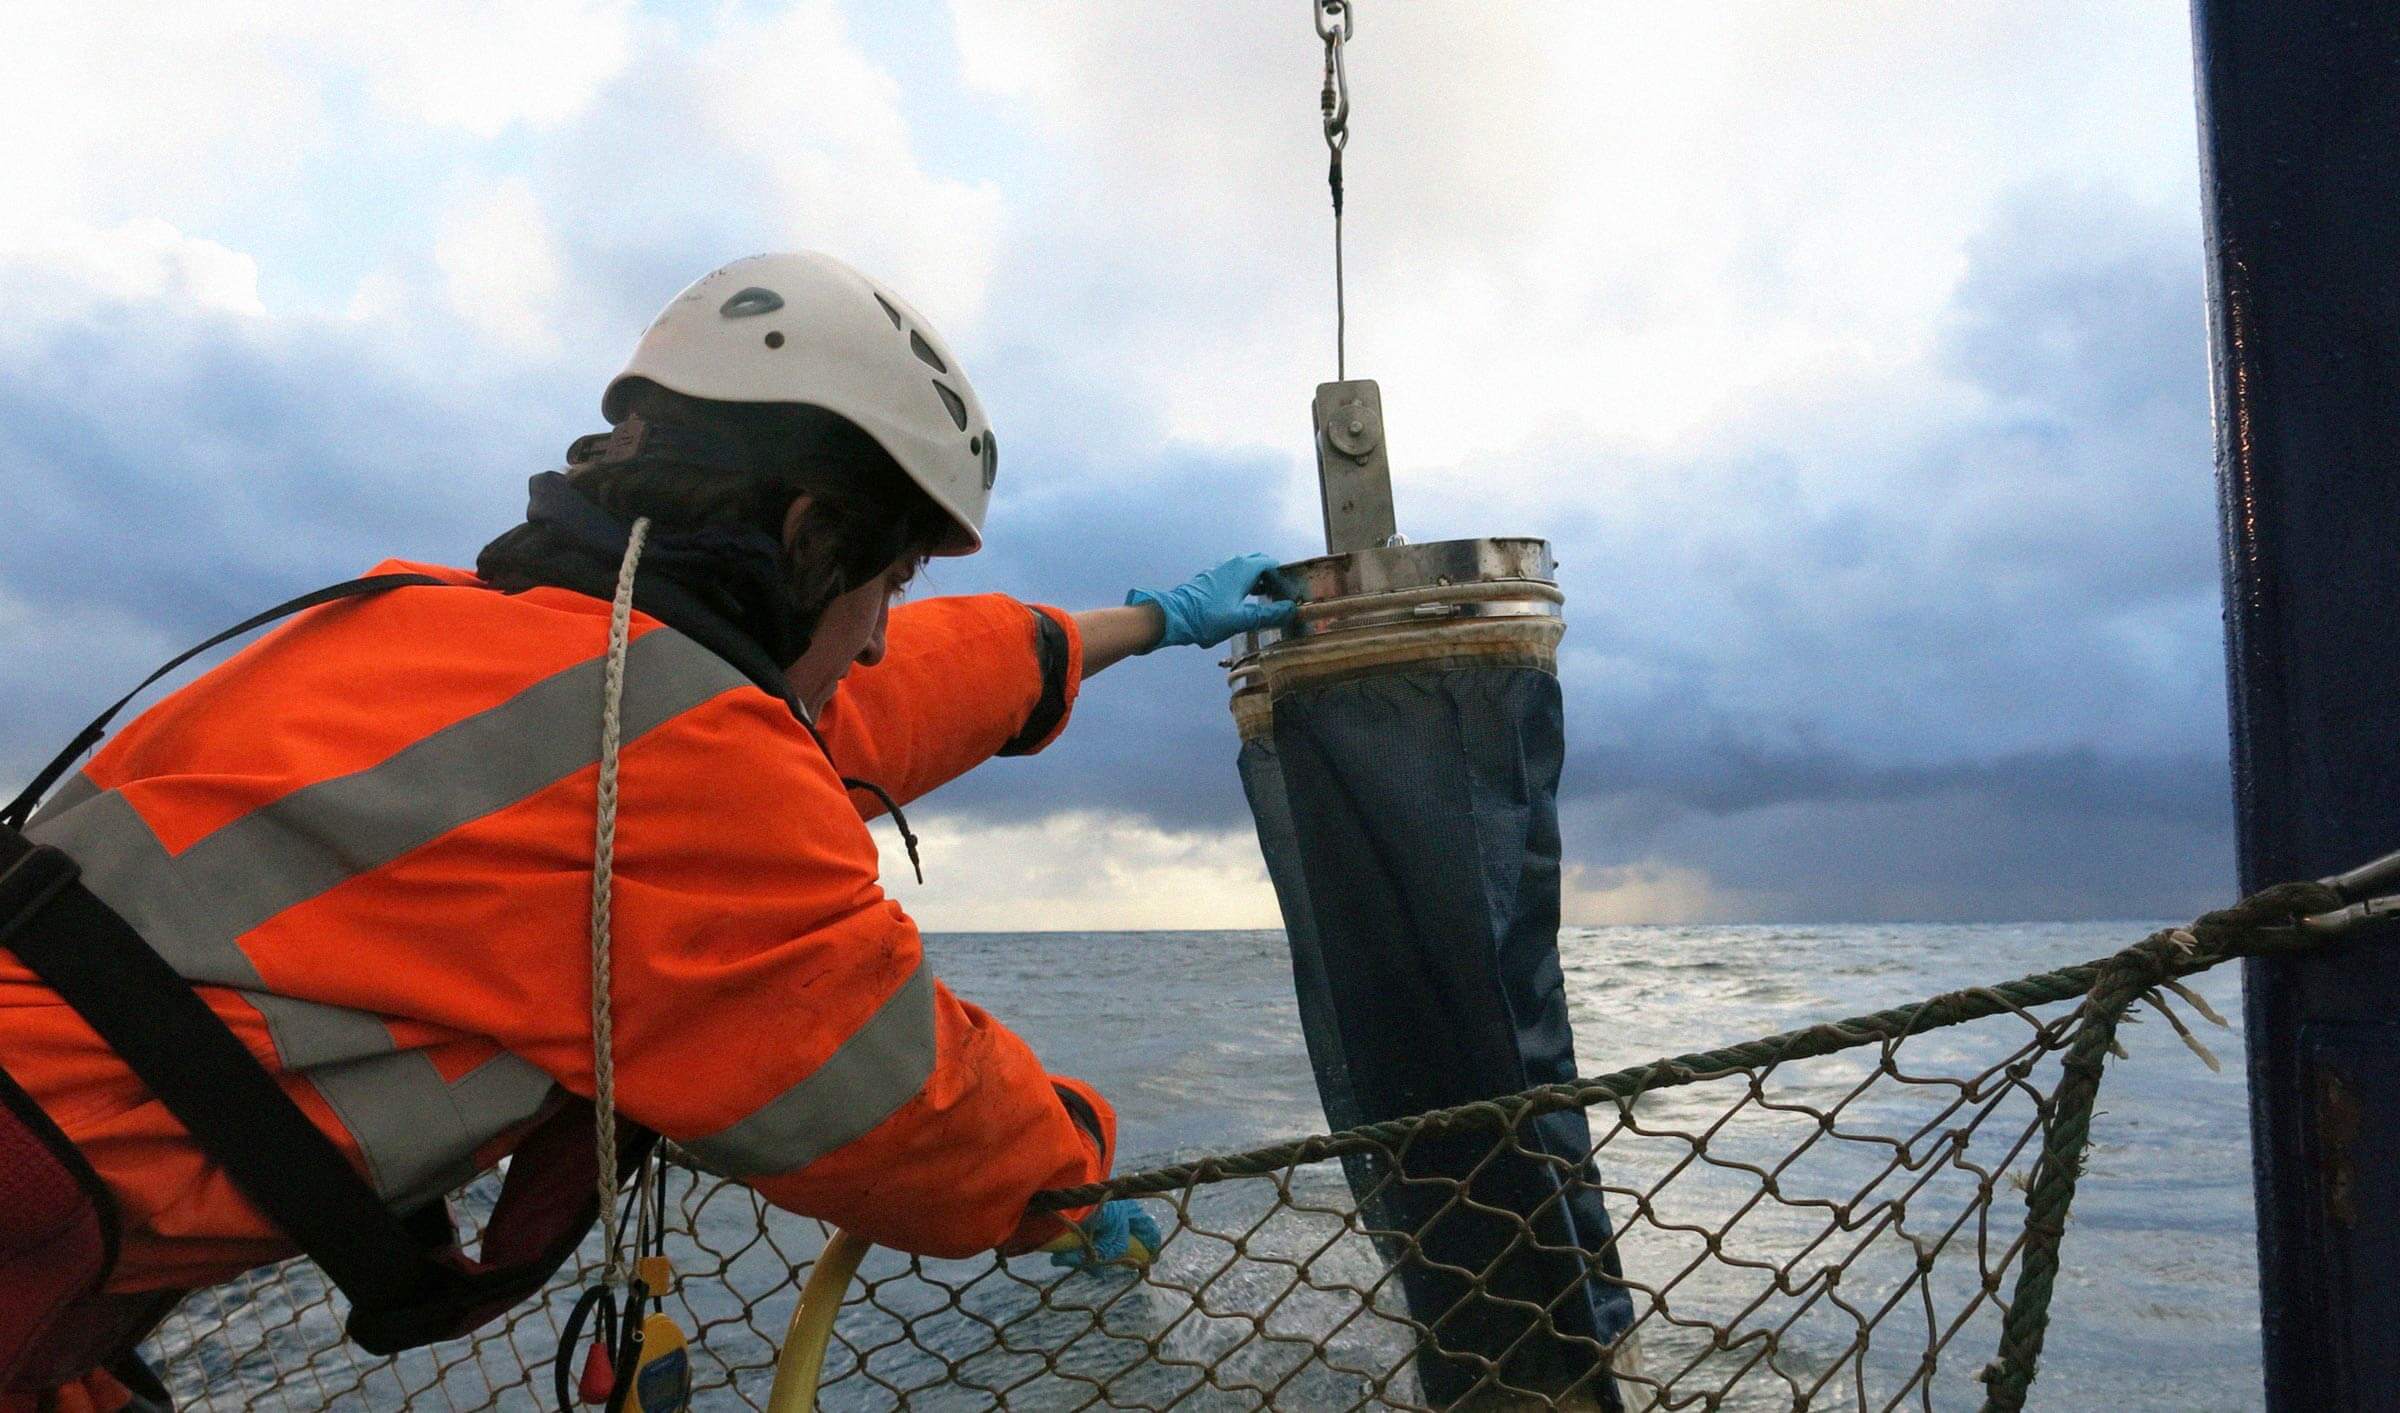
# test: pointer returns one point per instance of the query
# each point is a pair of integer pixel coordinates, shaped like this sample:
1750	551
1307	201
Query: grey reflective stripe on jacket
418	1132
879	1068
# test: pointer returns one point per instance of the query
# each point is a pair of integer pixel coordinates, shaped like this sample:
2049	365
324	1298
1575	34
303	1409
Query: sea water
1194	1036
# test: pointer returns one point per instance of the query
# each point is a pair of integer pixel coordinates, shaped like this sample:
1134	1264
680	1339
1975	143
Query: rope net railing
1863	1214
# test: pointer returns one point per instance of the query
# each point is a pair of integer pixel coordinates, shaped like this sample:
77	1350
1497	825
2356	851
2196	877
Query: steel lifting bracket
2368	891
1354	470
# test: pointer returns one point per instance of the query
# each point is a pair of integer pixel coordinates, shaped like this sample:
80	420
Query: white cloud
1624	224
1077	869
1670	284
122	110
1652	891
1090	870
483	67
754	130
501	267
187	110
61	265
249	130
794	93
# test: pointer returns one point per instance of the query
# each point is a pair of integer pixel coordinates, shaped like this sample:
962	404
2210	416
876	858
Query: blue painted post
2300	129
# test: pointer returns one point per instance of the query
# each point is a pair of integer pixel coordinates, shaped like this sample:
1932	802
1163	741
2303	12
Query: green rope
2259	923
1824	1038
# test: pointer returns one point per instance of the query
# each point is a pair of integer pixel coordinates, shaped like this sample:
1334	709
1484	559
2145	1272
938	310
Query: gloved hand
1213	604
1119	1231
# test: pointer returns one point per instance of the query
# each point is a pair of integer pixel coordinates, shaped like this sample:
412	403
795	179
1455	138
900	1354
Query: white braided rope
604	857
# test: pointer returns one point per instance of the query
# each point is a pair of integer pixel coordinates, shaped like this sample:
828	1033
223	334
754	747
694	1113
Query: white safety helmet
805	328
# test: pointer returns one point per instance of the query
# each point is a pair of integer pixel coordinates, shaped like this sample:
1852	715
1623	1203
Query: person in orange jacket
368	840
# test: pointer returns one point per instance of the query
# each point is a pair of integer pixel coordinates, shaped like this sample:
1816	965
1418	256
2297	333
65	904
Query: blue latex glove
1215	604
1119	1231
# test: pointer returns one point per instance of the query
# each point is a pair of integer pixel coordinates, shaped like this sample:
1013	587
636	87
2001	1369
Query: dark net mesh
1830	1217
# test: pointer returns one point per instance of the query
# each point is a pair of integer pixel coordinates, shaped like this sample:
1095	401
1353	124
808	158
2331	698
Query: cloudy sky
1851	354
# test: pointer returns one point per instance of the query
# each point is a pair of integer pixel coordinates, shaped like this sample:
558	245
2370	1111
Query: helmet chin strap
635	439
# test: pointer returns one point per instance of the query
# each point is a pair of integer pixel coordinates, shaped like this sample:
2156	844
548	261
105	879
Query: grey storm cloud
1723	777
1991	691
166	473
1994	693
1957	854
1987	686
1077	522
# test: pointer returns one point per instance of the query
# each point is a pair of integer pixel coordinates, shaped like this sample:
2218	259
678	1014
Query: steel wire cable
1335	23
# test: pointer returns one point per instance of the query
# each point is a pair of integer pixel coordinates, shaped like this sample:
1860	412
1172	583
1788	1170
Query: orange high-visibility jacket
368	838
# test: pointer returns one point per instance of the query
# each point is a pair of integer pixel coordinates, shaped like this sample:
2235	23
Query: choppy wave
1195	1038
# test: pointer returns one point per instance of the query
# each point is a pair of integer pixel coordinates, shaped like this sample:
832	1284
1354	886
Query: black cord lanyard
20	809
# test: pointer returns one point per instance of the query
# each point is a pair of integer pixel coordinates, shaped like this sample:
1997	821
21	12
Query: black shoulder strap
20	809
402	1292
407	1283
184	1054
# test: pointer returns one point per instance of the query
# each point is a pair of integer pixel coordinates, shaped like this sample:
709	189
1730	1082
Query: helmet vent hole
889	311
924	352
974	446
952	401
774	338
753	300
991	459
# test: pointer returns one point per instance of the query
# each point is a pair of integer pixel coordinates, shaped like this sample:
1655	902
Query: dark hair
864	512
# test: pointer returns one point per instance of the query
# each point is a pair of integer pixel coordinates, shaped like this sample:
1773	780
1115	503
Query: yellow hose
801	1363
